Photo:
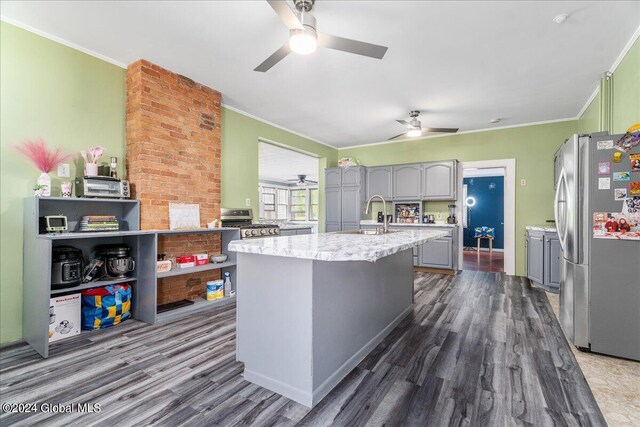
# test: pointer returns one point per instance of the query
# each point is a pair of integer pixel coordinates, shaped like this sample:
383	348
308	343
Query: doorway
488	216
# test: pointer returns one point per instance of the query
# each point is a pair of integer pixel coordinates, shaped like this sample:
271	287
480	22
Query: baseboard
7	345
329	384
435	270
281	388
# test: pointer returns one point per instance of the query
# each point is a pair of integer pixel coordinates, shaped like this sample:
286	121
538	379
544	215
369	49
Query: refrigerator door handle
562	229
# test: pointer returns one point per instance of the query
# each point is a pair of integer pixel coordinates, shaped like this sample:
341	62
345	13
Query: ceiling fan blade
397	136
351	46
276	57
285	13
403	122
441	130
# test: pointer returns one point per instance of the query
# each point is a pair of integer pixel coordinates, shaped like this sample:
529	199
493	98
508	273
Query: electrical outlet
64	170
439	215
247	202
523	182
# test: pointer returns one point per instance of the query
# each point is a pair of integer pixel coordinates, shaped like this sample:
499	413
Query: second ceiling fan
304	38
414	127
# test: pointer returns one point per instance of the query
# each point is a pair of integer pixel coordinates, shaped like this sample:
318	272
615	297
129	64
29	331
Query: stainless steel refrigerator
600	277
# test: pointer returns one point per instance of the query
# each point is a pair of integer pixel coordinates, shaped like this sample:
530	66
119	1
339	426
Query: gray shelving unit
37	256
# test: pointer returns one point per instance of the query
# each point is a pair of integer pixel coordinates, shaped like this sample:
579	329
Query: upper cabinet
439	180
333	177
379	181
353	176
406	182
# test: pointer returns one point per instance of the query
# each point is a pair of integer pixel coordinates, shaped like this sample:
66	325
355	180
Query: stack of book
99	223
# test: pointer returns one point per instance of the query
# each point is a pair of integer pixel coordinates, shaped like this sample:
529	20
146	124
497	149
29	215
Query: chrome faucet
385	222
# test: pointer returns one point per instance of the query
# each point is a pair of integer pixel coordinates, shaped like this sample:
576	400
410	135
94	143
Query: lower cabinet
332	226
437	253
543	259
294	232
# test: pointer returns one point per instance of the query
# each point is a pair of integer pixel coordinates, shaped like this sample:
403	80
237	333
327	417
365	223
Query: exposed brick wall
173	155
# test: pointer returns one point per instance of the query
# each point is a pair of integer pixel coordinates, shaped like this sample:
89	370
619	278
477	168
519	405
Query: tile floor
615	383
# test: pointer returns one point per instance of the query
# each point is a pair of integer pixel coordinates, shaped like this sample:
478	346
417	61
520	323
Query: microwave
102	186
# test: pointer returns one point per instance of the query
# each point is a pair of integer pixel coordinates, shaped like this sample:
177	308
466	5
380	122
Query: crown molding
60	40
244	113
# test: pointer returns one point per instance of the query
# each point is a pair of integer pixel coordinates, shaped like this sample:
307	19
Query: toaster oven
102	186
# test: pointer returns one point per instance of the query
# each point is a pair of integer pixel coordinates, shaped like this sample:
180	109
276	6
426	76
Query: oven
242	218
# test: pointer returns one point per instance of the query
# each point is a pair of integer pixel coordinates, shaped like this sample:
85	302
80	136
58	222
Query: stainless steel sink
368	232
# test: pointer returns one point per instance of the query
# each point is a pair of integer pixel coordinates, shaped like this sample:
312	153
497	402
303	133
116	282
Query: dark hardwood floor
479	349
483	261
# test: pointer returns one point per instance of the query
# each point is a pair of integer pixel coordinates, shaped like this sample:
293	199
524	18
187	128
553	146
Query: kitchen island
311	307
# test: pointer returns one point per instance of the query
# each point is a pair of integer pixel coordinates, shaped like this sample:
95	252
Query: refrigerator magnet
635	162
604	168
634	188
620	194
621	176
604	183
605	145
617	156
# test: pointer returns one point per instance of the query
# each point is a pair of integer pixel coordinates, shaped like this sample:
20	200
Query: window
314	196
299	204
282	203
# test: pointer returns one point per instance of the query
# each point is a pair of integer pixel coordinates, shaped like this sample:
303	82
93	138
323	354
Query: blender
451	219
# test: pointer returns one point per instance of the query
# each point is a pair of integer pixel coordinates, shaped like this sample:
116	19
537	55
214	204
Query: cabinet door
439	180
288	232
552	256
535	257
351	205
350	226
379	181
353	176
303	231
437	253
332	226
333	205
332	177
406	182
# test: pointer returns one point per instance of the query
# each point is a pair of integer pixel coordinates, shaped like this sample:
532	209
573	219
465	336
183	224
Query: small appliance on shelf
66	267
117	259
102	187
408	212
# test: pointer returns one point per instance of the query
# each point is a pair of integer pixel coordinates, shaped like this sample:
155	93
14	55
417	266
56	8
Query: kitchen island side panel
355	306
274	323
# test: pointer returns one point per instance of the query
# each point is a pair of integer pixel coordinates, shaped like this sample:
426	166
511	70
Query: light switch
63	170
247	202
439	216
523	182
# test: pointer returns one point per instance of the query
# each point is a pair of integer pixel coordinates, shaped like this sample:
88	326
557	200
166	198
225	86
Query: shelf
94	234
182	271
96	284
88	199
198	305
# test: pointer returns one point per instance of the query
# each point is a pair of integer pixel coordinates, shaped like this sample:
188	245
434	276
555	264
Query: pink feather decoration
40	155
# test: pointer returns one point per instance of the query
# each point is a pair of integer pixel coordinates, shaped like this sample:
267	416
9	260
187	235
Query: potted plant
44	159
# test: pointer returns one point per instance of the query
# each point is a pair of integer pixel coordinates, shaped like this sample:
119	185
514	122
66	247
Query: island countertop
337	246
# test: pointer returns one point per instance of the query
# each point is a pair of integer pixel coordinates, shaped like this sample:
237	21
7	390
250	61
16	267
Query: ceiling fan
414	127
302	180
303	37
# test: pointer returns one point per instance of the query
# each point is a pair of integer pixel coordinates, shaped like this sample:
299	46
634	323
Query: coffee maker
451	219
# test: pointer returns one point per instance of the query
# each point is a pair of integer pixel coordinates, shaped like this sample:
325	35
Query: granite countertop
545	228
395	224
336	246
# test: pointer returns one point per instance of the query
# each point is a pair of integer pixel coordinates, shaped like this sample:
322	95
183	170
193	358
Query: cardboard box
186	261
64	317
201	259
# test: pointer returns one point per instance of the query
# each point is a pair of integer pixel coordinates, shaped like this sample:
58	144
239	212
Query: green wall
240	135
533	148
589	122
69	99
626	90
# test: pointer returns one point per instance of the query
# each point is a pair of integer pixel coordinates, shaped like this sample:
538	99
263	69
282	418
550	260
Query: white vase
45	180
91	169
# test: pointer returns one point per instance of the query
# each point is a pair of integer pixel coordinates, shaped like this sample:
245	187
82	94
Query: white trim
509	166
60	40
244	113
612	69
545	122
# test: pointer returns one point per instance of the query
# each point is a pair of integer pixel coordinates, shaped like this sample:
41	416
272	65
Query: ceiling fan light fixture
304	41
411	133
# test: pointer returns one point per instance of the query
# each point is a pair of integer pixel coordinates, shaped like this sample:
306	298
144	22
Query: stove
243	219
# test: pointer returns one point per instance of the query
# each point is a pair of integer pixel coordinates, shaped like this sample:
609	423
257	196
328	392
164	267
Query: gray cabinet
295	232
439	180
344	203
379	181
437	253
333	177
407	182
543	259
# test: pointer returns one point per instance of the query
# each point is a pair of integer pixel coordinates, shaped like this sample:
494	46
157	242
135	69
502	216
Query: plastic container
228	291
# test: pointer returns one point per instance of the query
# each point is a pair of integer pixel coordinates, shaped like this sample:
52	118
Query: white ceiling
278	164
461	63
